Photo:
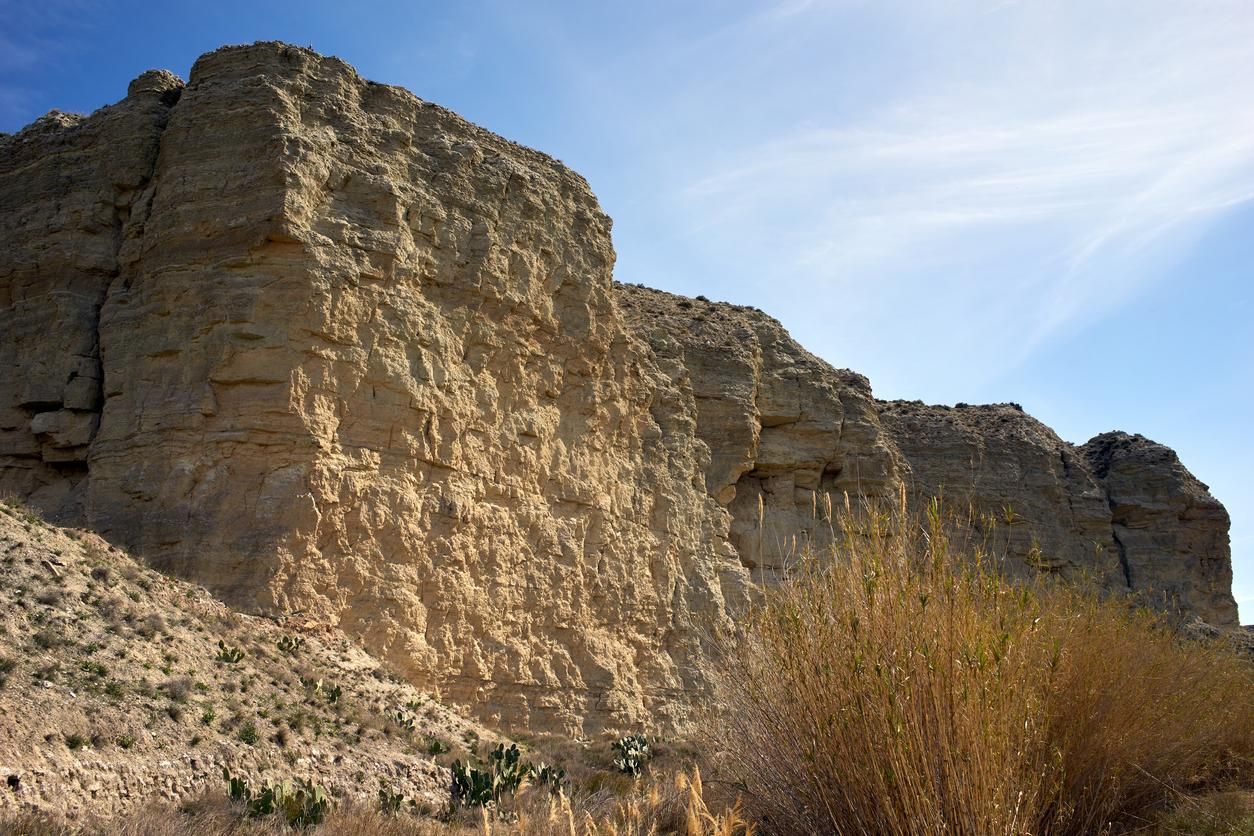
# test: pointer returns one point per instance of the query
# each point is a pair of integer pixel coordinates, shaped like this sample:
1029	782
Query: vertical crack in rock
1171	533
1122	549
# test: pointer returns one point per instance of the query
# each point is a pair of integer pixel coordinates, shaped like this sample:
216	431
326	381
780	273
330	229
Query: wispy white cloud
1064	163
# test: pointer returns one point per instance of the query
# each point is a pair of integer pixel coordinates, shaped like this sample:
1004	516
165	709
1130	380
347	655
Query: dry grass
902	687
674	805
1218	814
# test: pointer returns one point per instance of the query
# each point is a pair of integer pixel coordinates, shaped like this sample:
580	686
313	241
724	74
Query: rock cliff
329	349
784	428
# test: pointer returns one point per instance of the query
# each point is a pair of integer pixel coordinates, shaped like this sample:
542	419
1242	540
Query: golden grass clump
901	685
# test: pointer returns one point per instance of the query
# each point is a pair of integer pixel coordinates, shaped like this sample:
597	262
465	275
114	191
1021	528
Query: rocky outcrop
1171	534
327	348
1120	511
69	187
1050	509
360	360
785	428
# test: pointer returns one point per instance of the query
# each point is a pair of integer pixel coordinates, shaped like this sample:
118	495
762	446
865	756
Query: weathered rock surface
327	348
1172	535
69	186
785	428
361	360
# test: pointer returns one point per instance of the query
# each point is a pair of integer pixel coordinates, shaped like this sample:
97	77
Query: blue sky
1042	201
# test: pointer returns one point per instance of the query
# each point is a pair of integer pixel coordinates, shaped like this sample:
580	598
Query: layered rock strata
360	360
785	428
331	350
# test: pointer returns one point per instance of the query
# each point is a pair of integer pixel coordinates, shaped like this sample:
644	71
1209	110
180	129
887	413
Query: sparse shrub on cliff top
900	686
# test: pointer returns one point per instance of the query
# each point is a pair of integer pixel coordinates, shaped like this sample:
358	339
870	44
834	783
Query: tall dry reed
900	685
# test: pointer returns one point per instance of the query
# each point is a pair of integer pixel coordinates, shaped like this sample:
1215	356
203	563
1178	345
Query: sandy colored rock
71	190
361	360
1050	509
329	349
784	428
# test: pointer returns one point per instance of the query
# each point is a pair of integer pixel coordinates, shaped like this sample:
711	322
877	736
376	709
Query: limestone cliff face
333	351
1051	510
71	189
1171	534
784	428
359	360
1120	511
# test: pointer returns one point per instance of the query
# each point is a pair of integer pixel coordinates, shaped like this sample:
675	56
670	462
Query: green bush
505	774
289	645
248	734
391	803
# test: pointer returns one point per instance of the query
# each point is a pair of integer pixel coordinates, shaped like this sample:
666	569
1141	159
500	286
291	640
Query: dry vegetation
902	686
898	685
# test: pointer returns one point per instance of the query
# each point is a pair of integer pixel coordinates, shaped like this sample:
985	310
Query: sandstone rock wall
1171	534
361	361
331	350
785	428
69	186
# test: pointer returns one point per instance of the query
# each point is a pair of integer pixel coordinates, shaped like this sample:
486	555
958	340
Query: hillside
114	691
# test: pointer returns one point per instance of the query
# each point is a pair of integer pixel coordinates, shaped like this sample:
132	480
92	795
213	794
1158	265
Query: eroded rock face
784	428
361	361
1121	511
1050	510
71	189
331	350
1172	535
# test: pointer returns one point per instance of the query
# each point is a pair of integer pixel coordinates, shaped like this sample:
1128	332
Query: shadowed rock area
329	349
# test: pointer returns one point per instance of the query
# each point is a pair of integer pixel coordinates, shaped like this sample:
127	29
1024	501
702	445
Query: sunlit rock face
786	431
337	353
